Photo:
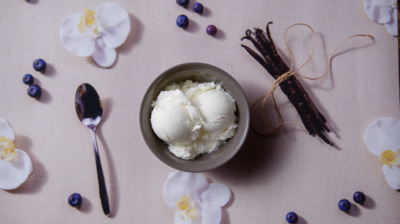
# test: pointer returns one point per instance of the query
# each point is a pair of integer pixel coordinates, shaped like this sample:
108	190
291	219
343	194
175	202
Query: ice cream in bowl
194	117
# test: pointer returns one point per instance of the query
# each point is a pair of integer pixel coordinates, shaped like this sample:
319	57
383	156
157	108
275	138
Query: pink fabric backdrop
268	178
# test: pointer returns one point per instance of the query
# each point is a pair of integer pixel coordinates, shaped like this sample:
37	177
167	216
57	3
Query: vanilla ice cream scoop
218	110
194	118
174	119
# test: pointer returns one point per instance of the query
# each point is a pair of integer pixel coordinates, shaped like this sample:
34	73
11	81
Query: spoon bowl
89	109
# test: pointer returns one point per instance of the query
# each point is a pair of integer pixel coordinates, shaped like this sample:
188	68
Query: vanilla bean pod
269	58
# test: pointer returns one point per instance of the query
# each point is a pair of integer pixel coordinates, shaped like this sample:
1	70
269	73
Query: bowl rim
193	165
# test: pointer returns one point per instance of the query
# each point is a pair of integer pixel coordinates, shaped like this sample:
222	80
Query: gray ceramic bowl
201	73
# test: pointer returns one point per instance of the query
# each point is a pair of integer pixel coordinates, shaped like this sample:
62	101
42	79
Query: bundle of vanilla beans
269	58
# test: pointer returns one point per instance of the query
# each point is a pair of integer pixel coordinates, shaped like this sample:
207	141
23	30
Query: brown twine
290	73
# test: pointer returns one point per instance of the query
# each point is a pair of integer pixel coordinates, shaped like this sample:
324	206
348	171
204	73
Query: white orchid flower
196	201
15	164
96	33
382	138
383	12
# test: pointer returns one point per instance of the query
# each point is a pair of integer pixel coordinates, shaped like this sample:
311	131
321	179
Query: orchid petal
211	214
392	175
383	134
216	194
114	22
392	26
104	56
80	44
378	11
15	172
179	219
6	130
181	183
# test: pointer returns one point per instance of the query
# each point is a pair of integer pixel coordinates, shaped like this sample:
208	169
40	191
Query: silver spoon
90	111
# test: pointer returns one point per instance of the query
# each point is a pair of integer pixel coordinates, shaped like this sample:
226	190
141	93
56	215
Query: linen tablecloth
268	177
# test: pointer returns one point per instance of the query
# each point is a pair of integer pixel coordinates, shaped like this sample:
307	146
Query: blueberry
344	205
182	3
359	197
211	30
198	7
28	79
182	21
34	91
75	200
291	217
39	65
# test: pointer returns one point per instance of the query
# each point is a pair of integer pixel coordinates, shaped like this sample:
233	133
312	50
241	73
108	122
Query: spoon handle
102	185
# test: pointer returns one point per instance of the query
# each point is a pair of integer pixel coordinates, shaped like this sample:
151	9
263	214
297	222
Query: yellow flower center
88	21
187	207
7	149
390	157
